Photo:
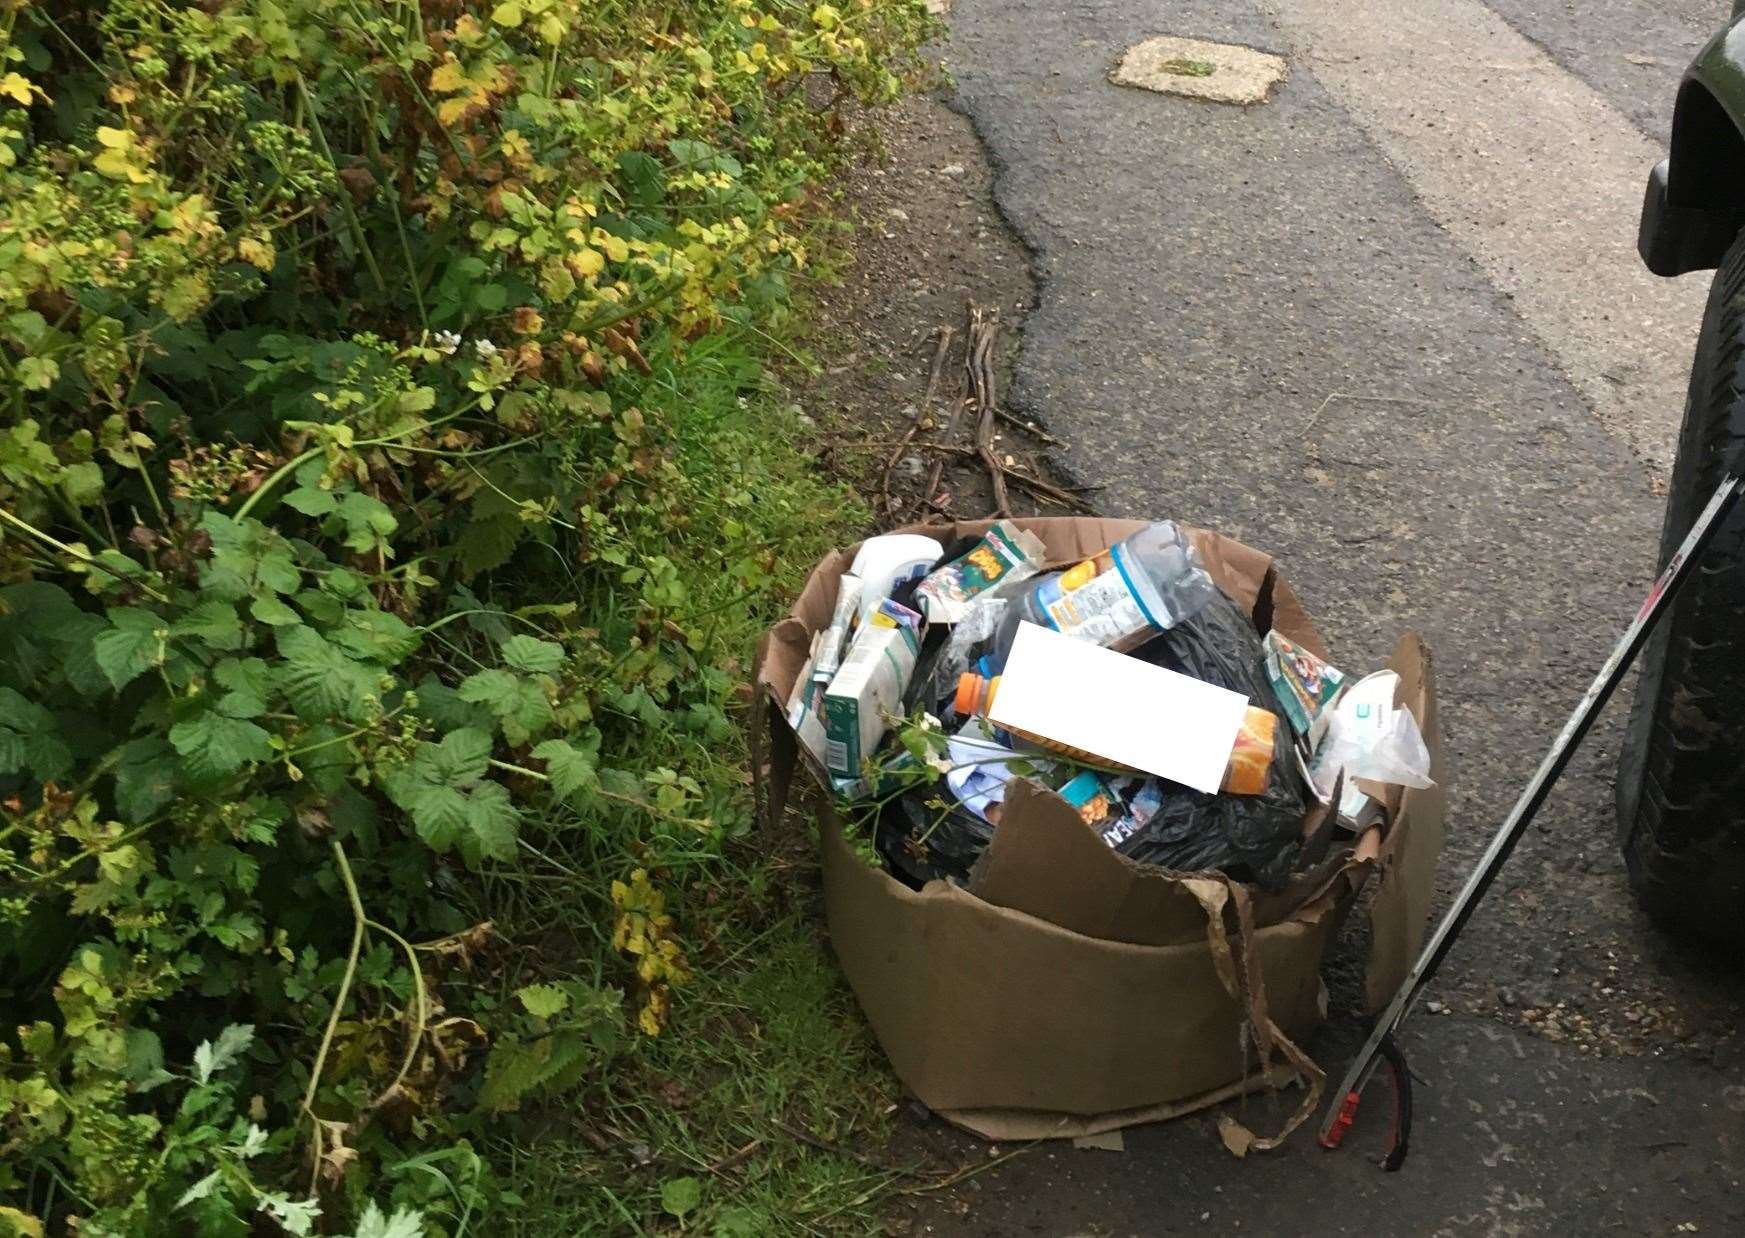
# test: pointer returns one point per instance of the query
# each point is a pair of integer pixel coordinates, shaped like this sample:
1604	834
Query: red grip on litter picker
1342	1123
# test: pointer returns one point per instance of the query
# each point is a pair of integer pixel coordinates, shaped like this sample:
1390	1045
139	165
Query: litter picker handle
1343	1108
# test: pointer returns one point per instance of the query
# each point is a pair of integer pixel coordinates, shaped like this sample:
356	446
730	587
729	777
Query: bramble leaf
213	622
311	500
214	746
487	542
377	635
30	739
368	523
272	611
132	645
569	768
319	680
529	653
145	778
249	682
246	558
451	806
519	705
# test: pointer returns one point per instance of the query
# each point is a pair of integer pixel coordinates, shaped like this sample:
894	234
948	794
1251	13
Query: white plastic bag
1367	737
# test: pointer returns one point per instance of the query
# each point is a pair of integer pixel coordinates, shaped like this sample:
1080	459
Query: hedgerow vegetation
390	490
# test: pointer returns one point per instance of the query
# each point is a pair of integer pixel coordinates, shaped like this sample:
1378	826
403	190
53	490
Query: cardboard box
1066	991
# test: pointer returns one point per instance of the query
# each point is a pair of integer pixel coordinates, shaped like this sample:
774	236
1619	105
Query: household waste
1130	684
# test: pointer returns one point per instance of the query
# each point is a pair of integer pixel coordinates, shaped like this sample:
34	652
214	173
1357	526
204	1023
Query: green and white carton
867	690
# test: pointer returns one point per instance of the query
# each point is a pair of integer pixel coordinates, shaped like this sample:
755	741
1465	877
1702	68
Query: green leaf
439	814
132	645
37	373
679	1196
737	1222
214	1056
273	612
543	1001
516	1068
311	500
491	824
519	705
24	457
570	769
213	622
378	635
30	739
368	523
488	542
319	680
249	682
145	1060
82	483
78	640
529	653
462	757
214	747
145	778
442	705
416	400
451	808
247	557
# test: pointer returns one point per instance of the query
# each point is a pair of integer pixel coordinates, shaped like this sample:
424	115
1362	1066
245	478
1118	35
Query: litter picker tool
1381	1046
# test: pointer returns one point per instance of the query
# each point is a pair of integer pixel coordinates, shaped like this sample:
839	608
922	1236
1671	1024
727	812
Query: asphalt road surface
1390	326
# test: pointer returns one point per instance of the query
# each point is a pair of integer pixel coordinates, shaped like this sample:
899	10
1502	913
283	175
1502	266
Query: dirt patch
928	245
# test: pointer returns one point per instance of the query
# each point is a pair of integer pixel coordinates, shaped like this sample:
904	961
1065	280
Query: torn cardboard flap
1067	990
1045	862
1399	913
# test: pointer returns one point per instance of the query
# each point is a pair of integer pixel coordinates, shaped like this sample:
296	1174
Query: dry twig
887	503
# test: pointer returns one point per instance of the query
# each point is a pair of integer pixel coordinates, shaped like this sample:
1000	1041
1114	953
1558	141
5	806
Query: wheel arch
1708	151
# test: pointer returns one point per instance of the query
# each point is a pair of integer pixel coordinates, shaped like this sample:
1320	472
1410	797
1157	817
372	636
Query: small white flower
447	342
485	349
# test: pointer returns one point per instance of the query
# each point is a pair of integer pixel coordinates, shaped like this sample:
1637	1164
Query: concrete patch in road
1196	69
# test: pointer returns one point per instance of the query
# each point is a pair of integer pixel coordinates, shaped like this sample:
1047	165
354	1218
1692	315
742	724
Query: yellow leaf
507	14
114	139
16	86
122	95
187	296
452	110
115	165
648	1020
616	248
29	1227
448	78
587	263
551	29
257	252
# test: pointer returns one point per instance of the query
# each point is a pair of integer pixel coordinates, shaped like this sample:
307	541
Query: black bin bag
1248	837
